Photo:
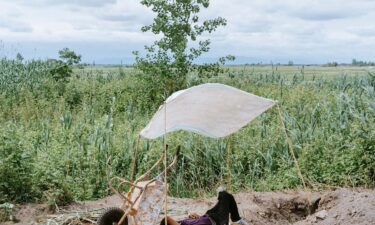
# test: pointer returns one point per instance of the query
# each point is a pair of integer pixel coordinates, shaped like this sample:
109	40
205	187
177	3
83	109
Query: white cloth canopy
213	110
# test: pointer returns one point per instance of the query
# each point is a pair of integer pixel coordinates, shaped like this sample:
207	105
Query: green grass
63	141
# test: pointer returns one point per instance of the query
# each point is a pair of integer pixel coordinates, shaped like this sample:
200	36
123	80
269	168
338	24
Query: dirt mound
342	206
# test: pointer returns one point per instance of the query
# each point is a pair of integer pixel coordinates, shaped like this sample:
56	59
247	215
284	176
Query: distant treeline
355	62
362	63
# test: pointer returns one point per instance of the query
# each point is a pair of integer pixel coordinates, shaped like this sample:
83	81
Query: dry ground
341	206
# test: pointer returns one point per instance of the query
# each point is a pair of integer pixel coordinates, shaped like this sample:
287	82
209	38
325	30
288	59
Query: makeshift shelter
213	110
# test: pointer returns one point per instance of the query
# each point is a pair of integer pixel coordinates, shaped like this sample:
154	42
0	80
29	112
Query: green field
306	69
63	140
250	69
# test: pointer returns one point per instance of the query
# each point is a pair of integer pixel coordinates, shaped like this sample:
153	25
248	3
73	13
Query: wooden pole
165	166
134	159
291	149
229	186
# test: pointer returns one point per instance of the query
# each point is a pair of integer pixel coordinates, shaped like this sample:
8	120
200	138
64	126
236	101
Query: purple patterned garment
203	220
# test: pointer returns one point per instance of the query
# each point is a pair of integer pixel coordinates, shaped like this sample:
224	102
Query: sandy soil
342	206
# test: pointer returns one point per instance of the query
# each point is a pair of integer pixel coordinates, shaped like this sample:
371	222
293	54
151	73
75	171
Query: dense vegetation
62	139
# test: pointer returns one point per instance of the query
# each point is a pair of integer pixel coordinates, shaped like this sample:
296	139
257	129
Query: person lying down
219	215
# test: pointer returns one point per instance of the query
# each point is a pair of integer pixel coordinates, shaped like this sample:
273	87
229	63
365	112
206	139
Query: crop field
62	140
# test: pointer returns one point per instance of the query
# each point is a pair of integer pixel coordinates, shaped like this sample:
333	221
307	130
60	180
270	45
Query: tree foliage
62	69
69	56
169	59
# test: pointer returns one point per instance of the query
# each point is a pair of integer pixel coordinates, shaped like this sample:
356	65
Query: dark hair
224	207
162	222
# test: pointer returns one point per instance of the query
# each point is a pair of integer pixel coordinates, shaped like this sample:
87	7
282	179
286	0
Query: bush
16	166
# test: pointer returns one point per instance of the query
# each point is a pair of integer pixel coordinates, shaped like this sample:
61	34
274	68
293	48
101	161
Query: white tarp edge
213	110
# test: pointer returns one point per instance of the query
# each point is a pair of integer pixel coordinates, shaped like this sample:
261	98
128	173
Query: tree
69	56
19	57
332	64
61	70
169	59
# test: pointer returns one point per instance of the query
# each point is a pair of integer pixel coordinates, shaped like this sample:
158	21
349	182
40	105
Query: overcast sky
107	31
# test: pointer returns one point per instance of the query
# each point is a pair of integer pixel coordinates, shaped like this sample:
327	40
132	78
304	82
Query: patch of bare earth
342	206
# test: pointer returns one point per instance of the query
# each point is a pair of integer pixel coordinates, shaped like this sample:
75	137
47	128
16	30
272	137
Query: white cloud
14	26
304	31
84	3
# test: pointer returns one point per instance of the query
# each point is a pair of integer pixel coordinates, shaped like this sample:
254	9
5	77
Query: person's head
162	222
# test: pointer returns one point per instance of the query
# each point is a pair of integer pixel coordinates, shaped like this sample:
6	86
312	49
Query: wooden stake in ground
291	149
229	180
165	165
